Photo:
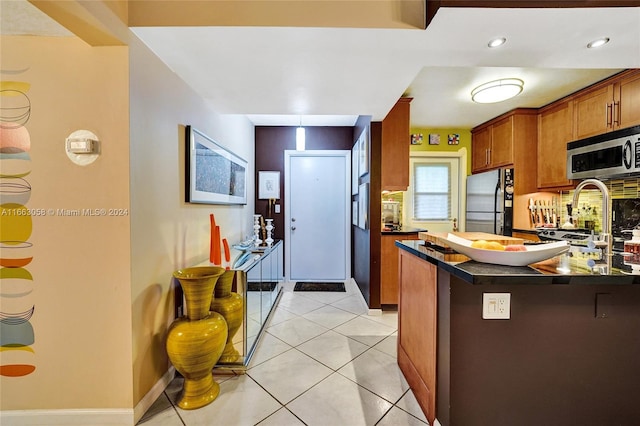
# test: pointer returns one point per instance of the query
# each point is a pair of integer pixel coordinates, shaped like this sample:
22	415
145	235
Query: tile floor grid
321	361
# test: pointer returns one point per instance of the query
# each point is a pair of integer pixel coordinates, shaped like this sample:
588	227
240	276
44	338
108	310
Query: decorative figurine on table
269	229
256	230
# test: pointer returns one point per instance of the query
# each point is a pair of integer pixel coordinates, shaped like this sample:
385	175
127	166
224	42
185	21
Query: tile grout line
296	316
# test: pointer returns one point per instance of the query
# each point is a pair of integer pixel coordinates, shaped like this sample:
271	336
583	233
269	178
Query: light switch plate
496	305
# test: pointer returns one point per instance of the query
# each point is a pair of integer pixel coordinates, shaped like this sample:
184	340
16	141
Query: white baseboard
68	417
150	397
85	417
375	312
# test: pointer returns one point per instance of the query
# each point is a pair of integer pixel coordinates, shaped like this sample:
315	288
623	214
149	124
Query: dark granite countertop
567	268
403	231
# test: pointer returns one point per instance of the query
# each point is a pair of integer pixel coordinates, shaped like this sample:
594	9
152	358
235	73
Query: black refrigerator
489	206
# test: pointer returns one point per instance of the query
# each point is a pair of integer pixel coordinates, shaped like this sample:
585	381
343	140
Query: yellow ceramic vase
230	305
196	341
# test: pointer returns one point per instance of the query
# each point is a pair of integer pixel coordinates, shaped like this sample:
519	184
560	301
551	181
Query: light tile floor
322	361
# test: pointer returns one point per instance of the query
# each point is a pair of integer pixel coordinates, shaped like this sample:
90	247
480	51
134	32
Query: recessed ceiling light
497	90
497	42
599	42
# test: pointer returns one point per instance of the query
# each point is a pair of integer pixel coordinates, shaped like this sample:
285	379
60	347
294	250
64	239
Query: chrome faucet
604	240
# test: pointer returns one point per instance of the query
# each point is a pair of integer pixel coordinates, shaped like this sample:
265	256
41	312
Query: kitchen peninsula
568	354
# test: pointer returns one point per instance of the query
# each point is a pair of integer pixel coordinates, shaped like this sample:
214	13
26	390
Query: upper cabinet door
627	102
480	149
613	105
396	139
593	112
554	132
502	142
492	144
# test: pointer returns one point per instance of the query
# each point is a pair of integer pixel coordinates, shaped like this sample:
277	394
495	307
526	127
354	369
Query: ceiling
329	76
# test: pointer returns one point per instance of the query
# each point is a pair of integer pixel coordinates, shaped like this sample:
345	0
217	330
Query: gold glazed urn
231	306
195	342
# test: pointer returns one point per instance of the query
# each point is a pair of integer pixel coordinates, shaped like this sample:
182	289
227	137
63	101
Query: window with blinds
431	191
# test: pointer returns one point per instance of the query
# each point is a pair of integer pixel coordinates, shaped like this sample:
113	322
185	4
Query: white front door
317	215
435	184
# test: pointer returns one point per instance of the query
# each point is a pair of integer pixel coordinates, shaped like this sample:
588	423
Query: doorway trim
287	207
461	156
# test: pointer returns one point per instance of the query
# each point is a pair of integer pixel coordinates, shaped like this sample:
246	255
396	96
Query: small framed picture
454	139
363	140
354	212
416	139
363	206
268	185
355	172
434	139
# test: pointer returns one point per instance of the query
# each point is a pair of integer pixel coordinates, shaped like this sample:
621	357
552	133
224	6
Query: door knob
293	219
293	228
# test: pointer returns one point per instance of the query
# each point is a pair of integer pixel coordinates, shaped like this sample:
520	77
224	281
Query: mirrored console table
258	279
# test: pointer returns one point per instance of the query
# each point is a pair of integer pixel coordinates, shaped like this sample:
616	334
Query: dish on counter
243	245
532	254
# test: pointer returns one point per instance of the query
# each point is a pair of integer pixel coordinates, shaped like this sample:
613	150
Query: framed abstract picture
354	212
214	175
363	206
363	141
268	185
355	173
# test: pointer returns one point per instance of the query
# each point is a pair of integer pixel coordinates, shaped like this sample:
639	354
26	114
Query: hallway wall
166	232
102	285
81	264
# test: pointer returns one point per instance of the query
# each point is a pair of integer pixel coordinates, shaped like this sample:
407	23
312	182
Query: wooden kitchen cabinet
629	100
480	148
609	105
492	145
555	130
508	141
502	141
389	266
593	112
396	140
418	329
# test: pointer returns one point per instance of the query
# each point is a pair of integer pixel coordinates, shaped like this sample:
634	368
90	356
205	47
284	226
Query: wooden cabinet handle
616	113
608	113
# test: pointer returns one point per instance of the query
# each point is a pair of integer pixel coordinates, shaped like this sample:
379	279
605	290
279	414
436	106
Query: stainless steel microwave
613	154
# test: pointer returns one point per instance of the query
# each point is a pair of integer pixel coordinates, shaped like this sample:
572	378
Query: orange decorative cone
217	252
212	238
227	253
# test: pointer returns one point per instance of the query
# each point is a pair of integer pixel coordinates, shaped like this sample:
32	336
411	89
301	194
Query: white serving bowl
534	253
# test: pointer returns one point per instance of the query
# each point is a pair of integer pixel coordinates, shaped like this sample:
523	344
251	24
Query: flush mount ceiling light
497	42
597	43
497	90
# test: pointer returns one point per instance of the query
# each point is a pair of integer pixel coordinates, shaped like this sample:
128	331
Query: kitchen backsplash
591	199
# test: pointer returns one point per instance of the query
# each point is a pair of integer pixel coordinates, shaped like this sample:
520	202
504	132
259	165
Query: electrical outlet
496	305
